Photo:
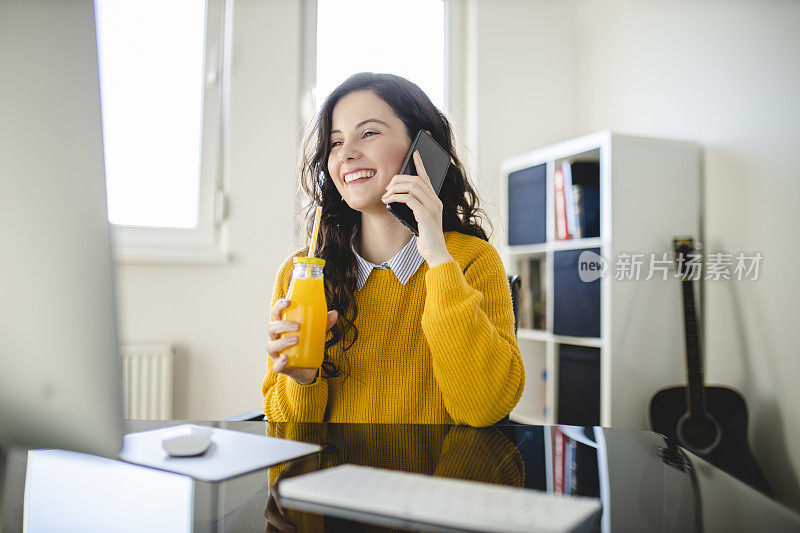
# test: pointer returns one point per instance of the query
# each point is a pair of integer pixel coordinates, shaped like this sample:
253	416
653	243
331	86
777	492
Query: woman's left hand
418	194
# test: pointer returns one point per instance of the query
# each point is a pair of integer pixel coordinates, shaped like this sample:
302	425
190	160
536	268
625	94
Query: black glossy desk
644	483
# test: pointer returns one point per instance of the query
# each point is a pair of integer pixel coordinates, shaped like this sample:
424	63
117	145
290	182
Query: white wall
216	315
523	63
726	74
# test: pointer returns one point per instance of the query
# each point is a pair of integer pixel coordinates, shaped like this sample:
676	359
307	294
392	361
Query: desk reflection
486	455
644	482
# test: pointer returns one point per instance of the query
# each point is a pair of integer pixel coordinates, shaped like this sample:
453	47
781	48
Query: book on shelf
562	231
580	475
570	467
531	294
539	313
586	177
525	303
537	294
577	212
577	197
573	225
558	460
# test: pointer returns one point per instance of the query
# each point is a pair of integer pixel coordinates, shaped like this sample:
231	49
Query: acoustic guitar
708	421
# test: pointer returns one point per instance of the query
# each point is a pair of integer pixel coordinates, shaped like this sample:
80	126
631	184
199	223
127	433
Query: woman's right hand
276	344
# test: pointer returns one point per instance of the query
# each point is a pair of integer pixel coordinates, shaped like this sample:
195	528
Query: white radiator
147	381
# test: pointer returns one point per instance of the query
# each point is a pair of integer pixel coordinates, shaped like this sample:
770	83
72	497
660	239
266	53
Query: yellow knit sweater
439	350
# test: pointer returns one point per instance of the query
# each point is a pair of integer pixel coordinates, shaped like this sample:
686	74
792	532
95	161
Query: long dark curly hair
339	222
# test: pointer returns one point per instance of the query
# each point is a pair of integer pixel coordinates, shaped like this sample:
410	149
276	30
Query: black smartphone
436	161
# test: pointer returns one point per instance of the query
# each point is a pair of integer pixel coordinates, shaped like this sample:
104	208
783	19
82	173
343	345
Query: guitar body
731	452
710	422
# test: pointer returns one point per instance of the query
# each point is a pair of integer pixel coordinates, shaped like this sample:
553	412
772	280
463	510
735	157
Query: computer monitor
60	382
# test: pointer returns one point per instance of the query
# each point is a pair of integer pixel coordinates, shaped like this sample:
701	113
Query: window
406	38
161	94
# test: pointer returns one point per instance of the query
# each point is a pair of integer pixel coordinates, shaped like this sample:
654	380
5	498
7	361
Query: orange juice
308	308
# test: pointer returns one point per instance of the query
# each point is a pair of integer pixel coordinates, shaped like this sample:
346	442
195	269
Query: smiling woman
421	327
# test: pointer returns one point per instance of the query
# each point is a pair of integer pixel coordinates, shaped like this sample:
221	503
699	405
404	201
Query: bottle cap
308	261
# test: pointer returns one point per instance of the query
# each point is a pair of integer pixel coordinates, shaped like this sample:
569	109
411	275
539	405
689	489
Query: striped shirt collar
403	265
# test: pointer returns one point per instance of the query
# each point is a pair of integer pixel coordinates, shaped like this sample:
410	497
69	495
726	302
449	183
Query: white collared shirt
403	265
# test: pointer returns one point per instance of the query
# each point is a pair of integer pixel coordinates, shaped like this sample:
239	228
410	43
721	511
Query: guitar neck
694	362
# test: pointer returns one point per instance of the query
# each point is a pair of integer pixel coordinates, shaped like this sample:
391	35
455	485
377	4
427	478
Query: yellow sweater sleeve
468	323
285	399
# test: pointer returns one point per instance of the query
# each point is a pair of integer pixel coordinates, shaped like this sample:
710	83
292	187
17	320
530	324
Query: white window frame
457	71
207	243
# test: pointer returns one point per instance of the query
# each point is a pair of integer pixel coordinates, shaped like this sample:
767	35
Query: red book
558	461
562	233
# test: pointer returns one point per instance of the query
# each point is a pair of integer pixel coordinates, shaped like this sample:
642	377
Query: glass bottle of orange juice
310	309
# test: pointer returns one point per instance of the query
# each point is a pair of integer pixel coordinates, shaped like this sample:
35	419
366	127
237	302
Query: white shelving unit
650	191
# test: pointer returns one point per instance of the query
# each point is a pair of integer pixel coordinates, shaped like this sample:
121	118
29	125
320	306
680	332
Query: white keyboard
417	499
